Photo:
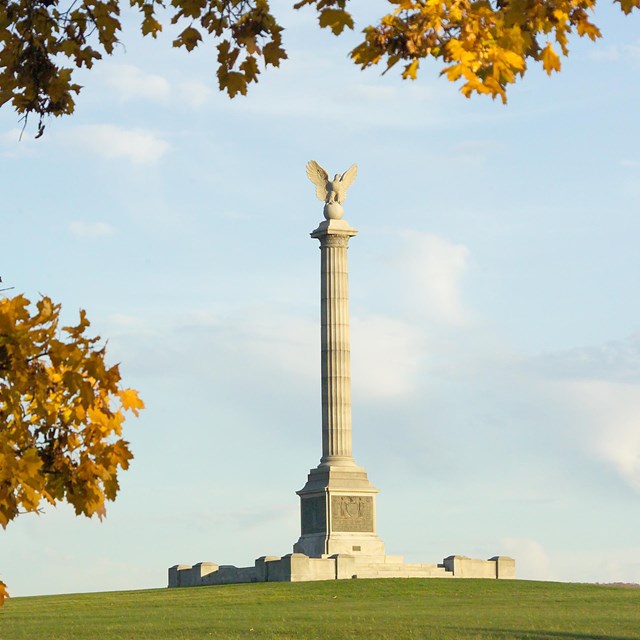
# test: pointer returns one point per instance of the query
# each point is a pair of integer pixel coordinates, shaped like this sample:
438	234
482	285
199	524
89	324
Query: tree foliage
61	414
486	44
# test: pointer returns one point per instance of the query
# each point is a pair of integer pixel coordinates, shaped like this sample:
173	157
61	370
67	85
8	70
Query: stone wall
297	567
500	567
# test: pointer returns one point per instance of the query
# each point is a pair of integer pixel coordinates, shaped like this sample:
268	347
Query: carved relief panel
352	513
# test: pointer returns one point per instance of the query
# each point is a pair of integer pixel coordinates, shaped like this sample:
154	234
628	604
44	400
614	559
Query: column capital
334	228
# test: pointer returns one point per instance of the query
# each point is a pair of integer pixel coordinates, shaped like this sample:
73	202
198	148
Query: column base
338	512
353	544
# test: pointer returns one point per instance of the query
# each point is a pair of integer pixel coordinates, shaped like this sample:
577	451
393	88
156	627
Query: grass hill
336	610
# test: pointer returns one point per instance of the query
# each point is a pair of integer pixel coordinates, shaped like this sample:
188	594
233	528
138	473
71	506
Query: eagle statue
332	192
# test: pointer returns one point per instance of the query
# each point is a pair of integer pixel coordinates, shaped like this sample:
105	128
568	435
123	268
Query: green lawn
335	610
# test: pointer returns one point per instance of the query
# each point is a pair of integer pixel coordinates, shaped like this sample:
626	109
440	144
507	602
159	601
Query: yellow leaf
189	39
150	26
586	28
31	463
250	69
629	5
130	400
4	594
273	53
233	82
514	59
411	70
550	59
336	20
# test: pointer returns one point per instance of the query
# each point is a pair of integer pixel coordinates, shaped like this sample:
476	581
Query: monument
338	503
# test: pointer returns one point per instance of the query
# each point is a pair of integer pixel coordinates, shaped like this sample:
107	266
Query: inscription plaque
352	513
313	515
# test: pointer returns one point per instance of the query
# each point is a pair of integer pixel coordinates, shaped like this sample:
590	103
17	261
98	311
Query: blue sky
495	315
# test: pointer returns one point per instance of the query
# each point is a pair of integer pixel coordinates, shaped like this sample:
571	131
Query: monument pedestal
338	513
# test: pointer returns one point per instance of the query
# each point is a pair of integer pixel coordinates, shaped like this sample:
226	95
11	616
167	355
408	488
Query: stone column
335	343
337	503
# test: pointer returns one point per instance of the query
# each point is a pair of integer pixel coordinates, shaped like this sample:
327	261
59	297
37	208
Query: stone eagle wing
319	177
347	178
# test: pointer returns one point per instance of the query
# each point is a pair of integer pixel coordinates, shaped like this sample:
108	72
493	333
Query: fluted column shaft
336	350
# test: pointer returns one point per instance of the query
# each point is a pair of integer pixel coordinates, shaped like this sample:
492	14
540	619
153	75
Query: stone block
304	569
501	567
505	567
265	566
230	574
202	569
175	574
345	566
463	567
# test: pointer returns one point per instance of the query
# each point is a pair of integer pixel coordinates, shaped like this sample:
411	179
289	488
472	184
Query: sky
495	315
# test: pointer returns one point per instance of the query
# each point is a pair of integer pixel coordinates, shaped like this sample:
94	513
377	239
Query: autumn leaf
130	400
628	5
335	19
189	39
411	70
150	26
234	83
250	69
550	59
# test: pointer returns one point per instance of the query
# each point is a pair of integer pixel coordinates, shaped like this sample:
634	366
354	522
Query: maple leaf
411	70
189	39
550	59
130	400
335	19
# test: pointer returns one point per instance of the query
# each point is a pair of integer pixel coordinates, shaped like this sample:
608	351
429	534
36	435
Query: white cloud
434	268
373	93
131	83
287	342
607	54
532	561
381	103
387	355
610	423
195	94
11	137
621	567
613	53
597	391
125	322
82	229
17	143
618	360
473	152
138	146
128	83
632	51
281	345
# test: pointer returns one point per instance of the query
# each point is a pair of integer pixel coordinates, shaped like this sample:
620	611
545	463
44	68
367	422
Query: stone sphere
333	211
